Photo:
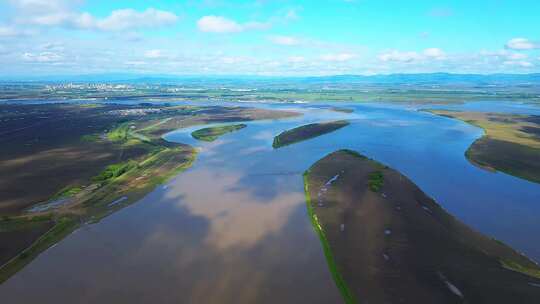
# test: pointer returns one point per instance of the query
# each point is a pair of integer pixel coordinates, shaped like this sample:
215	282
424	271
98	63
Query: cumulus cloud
399	56
129	19
521	44
219	24
520	63
338	57
11	31
6	31
410	56
284	40
296	59
517	56
62	13
504	55
434	53
42	57
153	54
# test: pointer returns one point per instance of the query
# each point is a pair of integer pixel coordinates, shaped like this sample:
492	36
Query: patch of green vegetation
67	192
342	110
16	223
375	181
117	181
336	275
90	105
90	138
212	133
120	133
114	171
508	264
306	132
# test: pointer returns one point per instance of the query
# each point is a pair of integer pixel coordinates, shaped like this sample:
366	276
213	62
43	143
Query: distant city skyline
267	37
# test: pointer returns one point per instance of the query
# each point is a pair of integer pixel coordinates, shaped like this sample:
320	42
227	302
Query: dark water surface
234	229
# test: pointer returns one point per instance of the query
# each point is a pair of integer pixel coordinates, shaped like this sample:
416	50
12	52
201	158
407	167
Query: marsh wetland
234	227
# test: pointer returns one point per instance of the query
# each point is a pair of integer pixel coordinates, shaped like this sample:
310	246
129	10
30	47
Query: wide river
234	229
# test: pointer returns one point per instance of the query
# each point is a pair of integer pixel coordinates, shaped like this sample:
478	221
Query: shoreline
393	237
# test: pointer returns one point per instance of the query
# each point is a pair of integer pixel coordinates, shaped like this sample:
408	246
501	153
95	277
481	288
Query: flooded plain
234	229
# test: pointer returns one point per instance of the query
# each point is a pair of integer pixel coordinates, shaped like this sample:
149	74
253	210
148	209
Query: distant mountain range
420	79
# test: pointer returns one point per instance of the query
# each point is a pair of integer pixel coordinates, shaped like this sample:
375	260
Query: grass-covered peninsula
511	143
388	242
213	133
306	132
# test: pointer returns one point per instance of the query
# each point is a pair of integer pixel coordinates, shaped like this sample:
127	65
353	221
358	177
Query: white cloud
434	53
127	19
284	40
135	63
521	44
6	31
399	56
504	55
63	13
42	57
219	24
523	64
338	57
153	54
296	59
410	56
11	31
40	6
52	46
517	56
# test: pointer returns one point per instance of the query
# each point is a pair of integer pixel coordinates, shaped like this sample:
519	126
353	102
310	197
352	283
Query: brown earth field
387	242
46	148
511	143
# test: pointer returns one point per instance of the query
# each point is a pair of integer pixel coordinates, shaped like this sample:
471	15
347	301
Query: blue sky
268	37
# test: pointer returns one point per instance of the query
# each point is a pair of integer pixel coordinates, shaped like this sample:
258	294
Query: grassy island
342	110
213	133
306	132
511	143
388	242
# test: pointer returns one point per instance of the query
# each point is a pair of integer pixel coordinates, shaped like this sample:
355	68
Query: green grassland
336	275
511	143
213	133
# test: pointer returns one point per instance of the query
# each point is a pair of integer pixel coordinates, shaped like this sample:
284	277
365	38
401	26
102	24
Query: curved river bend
233	228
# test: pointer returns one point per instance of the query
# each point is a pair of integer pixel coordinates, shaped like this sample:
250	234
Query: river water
234	229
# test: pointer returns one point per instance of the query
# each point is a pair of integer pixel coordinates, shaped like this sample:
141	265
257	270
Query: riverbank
511	143
392	243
